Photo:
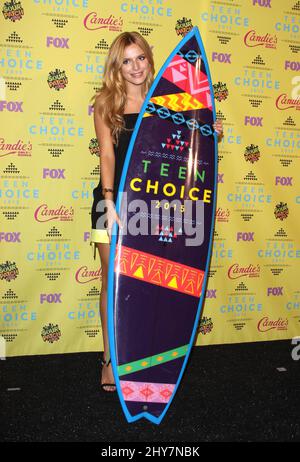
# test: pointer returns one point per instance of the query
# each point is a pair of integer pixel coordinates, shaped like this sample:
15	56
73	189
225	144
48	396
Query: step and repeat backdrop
52	60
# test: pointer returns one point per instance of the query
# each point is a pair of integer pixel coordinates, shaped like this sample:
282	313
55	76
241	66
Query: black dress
120	151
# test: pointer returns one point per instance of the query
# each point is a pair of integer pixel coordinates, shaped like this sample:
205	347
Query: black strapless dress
99	234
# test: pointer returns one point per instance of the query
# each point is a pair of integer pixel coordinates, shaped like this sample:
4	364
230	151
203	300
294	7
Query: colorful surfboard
157	279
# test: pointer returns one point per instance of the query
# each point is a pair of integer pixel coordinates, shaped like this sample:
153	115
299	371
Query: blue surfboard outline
110	294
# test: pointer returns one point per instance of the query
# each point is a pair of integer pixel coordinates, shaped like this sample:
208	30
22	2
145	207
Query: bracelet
104	190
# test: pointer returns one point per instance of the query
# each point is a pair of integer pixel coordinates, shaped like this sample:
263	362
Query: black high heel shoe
103	385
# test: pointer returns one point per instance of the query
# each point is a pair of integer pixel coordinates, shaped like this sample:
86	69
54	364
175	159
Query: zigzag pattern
178	102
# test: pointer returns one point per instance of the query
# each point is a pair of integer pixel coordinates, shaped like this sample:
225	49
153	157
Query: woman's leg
107	374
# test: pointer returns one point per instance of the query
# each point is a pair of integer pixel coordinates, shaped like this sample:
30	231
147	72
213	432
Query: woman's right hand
111	216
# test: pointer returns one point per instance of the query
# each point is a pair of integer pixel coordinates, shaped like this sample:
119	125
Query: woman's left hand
218	127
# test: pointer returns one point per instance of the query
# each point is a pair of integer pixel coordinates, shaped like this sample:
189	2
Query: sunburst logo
220	91
57	79
8	271
13	10
252	153
206	326
94	147
281	211
51	333
183	26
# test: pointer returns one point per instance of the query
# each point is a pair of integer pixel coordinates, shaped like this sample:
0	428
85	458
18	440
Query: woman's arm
107	157
107	166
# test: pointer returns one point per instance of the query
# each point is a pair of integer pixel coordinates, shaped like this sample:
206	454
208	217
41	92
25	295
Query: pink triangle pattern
177	76
183	74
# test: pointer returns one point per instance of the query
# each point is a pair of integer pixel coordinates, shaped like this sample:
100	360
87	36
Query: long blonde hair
111	98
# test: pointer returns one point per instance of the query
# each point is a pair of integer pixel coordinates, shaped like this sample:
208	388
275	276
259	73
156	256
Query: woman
128	75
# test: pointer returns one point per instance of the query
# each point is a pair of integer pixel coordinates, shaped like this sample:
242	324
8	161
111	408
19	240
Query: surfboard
159	260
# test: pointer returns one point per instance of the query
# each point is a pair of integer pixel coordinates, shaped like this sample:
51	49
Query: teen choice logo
220	91
94	147
51	333
281	211
57	79
252	153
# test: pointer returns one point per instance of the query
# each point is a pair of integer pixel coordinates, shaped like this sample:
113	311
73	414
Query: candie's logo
57	79
183	26
20	148
266	324
84	275
236	271
44	213
12	10
283	102
94	22
222	216
252	39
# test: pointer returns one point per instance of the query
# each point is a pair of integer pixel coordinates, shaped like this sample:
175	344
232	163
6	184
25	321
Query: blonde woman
128	75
